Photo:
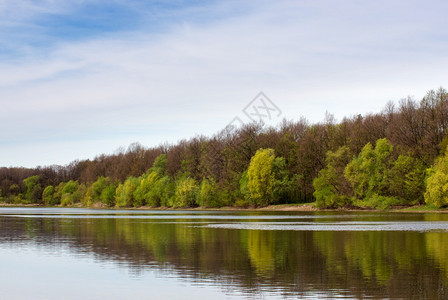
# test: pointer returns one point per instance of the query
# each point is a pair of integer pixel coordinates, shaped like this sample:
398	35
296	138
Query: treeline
394	157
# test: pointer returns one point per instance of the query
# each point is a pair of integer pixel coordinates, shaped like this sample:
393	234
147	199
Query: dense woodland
394	157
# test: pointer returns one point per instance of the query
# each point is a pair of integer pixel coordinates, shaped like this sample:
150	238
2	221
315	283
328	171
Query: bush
380	202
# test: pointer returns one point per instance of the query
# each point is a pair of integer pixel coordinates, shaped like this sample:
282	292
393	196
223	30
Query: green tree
151	188
368	175
209	195
108	195
70	187
124	195
88	198
48	196
119	195
14	194
98	186
165	188
161	192
33	189
58	193
331	188
79	194
186	192
144	190
102	190
261	178
160	164
437	183
286	187
407	179
72	192
359	170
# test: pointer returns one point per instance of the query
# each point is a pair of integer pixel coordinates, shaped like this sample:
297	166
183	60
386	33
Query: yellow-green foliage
33	189
108	195
154	188
163	192
159	165
379	181
407	179
124	194
72	192
286	186
437	183
102	190
359	169
244	191
208	194
186	192
143	193
368	172
330	186
88	198
48	196
261	177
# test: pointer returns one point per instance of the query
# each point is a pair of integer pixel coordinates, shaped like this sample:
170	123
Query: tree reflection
360	264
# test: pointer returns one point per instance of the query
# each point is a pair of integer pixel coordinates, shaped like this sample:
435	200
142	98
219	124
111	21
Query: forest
395	157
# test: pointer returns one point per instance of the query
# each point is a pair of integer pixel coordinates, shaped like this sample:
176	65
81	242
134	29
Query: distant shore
279	207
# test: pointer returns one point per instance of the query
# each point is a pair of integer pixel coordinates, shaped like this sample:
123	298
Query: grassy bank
279	207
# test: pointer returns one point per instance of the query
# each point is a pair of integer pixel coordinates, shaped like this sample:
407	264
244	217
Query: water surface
54	253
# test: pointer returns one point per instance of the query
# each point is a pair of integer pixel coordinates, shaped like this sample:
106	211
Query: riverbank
279	207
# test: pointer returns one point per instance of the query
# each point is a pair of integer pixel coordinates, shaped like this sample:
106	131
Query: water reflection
236	254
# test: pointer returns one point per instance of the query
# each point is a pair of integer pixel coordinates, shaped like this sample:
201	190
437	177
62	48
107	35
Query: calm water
52	253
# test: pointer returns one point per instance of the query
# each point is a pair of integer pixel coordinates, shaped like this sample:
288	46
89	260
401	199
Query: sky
79	78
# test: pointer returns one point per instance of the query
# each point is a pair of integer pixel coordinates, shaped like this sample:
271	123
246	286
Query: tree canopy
394	157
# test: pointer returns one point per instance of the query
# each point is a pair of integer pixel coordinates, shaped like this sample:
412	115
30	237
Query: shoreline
303	207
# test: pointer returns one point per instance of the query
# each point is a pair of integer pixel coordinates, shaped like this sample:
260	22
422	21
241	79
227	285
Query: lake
57	253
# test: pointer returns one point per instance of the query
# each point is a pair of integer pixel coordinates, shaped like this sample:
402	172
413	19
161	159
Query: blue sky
79	78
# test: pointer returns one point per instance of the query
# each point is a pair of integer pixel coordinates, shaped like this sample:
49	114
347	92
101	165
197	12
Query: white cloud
311	57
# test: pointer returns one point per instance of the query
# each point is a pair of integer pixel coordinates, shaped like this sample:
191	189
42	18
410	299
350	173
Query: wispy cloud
165	71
